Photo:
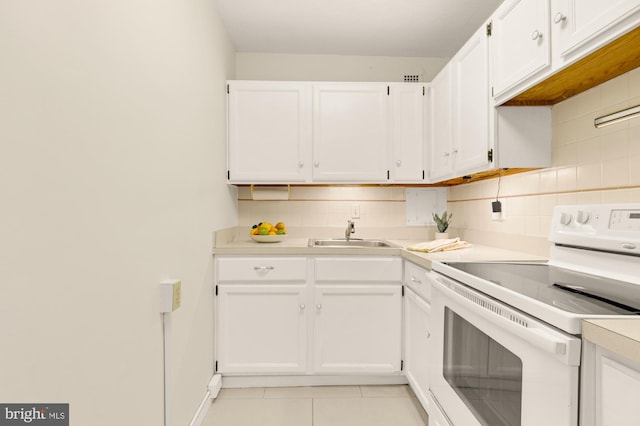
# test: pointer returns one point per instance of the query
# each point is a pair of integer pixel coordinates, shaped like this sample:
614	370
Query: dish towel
439	245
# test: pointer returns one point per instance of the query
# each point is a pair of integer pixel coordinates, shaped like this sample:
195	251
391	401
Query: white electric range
507	335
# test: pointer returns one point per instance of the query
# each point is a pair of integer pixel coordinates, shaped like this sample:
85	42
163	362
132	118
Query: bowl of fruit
264	232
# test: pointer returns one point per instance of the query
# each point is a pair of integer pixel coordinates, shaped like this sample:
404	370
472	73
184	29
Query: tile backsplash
589	165
327	206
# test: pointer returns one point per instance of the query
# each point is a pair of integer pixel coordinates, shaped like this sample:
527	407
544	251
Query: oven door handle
488	308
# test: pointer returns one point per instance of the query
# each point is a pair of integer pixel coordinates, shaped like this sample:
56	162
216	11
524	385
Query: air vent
489	306
411	78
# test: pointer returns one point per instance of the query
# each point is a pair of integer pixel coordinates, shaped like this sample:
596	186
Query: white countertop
229	242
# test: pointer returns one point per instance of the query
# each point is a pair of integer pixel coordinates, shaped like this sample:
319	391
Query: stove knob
582	217
565	218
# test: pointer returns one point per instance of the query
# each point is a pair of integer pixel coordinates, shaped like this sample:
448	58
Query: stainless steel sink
353	242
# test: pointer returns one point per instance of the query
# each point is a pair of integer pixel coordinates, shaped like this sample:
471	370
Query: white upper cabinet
470	130
269	132
581	26
460	120
440	143
470	135
520	44
350	132
408	142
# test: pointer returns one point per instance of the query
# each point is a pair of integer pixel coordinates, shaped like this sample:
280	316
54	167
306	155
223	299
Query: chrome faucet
351	229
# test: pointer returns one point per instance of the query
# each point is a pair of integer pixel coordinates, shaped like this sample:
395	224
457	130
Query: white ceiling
418	28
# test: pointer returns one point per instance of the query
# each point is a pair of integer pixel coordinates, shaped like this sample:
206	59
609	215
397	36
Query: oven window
486	376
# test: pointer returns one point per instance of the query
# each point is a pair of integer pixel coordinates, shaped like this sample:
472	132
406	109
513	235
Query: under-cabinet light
617	117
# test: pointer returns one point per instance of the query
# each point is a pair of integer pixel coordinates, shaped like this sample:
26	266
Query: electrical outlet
355	211
497	210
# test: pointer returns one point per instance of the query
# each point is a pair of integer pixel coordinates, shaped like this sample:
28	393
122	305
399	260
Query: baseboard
311	380
213	388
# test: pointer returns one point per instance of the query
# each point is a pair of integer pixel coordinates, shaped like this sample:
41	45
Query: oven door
493	365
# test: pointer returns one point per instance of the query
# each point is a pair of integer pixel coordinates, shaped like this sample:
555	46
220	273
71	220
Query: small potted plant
442	222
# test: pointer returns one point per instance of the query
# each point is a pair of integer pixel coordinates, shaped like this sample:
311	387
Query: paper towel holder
278	192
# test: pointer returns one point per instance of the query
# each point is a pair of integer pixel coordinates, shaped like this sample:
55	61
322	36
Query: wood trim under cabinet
616	58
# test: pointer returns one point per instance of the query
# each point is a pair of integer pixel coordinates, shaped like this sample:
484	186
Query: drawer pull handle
263	268
428	335
415	280
536	35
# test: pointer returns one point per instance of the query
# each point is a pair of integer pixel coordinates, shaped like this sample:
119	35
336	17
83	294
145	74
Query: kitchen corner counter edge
620	336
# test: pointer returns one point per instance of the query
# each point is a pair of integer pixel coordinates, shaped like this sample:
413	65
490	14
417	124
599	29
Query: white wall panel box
170	295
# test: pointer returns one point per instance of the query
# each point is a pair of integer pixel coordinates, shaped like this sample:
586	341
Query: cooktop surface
564	289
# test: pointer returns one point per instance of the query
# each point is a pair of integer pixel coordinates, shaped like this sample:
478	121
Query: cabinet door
520	43
357	328
470	70
350	132
408	108
417	314
269	131
261	328
440	100
577	24
609	387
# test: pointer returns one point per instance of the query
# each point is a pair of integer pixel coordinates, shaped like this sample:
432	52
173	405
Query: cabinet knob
446	154
300	163
316	163
455	151
558	17
415	280
536	35
428	335
263	268
398	163
302	306
318	306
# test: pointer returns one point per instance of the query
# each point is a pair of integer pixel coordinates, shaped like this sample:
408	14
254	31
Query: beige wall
112	148
589	166
266	66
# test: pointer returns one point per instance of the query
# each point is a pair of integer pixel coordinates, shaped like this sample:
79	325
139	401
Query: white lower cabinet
262	329
417	332
357	328
305	315
610	386
261	318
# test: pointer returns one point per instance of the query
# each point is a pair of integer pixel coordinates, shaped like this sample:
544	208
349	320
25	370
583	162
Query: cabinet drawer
262	268
364	269
415	278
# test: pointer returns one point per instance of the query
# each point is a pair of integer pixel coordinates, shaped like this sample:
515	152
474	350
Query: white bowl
268	238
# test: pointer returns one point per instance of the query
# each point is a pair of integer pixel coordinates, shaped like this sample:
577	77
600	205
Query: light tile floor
317	406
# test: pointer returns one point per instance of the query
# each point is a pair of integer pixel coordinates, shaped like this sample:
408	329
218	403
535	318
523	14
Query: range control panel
625	220
611	227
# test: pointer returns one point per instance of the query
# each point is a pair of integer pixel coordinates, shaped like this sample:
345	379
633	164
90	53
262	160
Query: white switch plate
170	295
